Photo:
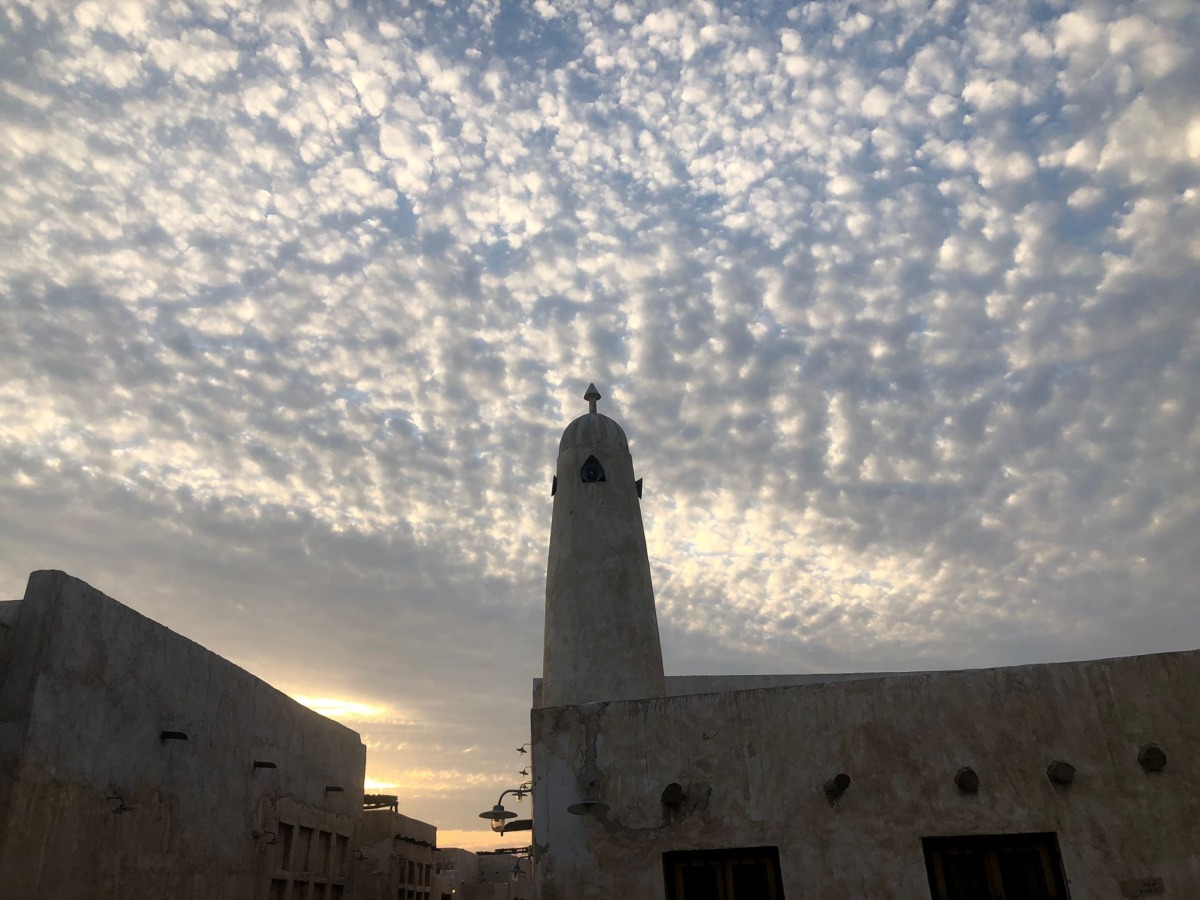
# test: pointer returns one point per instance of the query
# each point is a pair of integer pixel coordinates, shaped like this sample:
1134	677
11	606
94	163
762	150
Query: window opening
592	471
744	874
995	867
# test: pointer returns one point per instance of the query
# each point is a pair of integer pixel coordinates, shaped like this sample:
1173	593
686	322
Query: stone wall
97	801
497	868
455	867
394	858
682	685
752	765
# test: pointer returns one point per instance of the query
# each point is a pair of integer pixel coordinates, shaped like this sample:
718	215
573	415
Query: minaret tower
601	629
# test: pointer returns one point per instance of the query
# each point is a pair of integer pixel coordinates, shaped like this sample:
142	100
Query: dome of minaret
593	427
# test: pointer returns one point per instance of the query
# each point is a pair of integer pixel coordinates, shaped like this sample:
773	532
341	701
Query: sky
896	301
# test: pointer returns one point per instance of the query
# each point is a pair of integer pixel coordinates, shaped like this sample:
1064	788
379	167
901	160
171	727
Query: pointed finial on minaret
591	397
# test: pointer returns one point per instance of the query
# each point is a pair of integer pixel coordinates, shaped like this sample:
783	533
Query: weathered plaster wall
8	616
394	854
482	891
13	704
483	876
455	867
497	868
682	685
94	804
752	764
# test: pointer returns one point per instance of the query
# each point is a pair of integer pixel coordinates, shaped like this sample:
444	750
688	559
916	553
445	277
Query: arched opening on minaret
592	471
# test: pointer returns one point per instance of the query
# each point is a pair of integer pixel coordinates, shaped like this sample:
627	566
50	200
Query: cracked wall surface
752	765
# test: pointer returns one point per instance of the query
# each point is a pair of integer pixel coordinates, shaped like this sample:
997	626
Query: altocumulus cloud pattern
897	302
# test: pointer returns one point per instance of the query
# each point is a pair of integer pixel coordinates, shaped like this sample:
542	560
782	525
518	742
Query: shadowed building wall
753	767
102	797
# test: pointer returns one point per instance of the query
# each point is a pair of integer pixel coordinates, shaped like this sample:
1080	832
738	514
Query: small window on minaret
592	471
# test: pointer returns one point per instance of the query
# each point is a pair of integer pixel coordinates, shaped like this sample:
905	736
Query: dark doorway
995	867
752	873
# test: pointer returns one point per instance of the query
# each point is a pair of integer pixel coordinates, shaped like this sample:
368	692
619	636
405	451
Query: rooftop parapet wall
383	823
100	795
394	855
752	765
683	685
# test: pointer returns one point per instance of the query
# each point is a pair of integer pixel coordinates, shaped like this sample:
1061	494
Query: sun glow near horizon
477	840
345	710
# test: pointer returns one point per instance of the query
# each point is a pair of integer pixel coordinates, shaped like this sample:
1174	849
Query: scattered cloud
897	305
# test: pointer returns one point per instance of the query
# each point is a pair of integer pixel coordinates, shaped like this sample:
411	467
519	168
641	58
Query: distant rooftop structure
381	801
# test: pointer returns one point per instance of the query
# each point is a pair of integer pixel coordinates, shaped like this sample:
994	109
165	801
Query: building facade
455	867
463	875
394	858
1027	783
134	763
507	875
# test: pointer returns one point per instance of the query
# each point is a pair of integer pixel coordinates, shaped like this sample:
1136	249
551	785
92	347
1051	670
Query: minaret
601	629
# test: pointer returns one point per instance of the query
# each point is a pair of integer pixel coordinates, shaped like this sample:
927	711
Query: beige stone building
1046	782
463	875
394	858
508	875
136	764
453	868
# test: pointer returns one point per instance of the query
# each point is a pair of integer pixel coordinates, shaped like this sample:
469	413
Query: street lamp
588	806
498	813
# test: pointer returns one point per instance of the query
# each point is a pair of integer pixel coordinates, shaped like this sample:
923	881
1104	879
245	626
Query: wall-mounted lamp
836	786
165	736
588	806
274	837
1060	772
498	813
967	780
524	771
1152	757
522	749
